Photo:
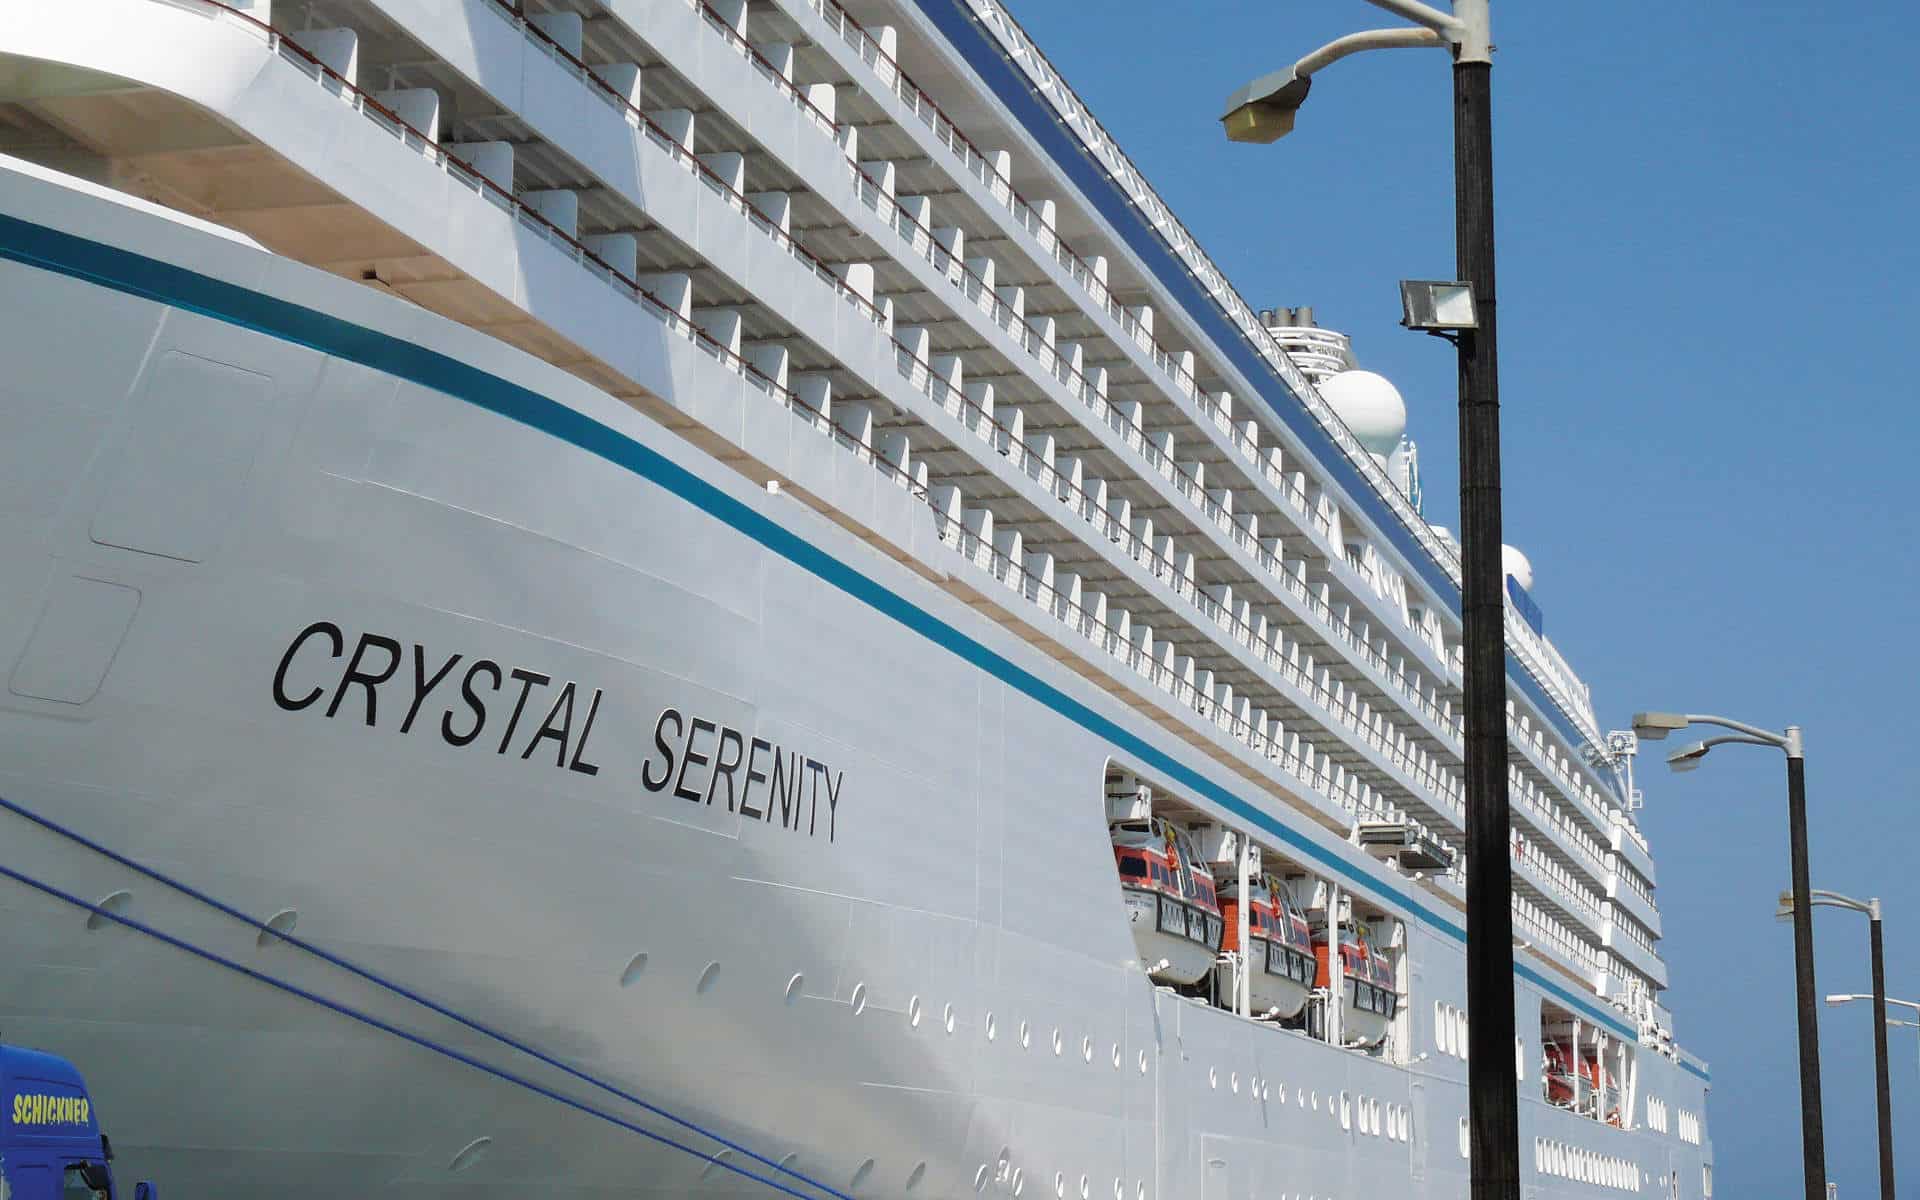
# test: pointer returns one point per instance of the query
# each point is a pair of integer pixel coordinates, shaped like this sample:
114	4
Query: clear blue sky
1708	276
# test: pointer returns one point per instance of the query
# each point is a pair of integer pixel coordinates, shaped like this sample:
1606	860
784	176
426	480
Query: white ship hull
916	978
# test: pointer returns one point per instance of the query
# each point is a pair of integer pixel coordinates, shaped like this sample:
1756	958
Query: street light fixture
1655	726
1915	1006
1264	111
1883	1093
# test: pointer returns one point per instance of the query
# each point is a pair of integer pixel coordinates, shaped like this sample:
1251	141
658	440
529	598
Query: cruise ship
713	597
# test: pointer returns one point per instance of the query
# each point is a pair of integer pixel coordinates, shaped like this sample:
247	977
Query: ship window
1133	867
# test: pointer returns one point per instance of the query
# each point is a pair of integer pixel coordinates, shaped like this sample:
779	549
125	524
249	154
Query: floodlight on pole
1437	306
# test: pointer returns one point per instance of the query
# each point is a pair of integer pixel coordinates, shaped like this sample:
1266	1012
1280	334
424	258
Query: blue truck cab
51	1147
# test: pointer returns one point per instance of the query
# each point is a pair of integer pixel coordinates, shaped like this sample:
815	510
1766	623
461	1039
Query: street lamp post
1657	725
1883	1096
1263	111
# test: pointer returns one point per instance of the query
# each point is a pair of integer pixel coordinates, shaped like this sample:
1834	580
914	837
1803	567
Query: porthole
1213	1078
1059	1184
1026	1035
859	999
1085	1193
993	1028
1019	1181
278	926
1059	1043
1233	1082
947	1017
860	1174
1143	1062
708	978
980	1178
1086	1049
470	1154
109	906
1116	1056
635	965
716	1163
913	1012
918	1173
793	987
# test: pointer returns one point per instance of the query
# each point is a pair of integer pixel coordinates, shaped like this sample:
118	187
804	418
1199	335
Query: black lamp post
1657	725
1264	111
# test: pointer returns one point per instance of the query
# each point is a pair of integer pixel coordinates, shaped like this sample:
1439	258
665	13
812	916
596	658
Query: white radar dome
1370	406
1517	565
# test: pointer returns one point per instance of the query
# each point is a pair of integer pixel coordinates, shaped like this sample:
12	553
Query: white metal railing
920	239
1552	878
1638	936
1638	886
1558	683
1550	934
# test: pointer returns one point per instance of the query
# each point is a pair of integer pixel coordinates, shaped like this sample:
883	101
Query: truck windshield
74	1185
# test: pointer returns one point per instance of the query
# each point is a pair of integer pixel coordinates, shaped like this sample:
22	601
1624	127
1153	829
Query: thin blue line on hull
165	283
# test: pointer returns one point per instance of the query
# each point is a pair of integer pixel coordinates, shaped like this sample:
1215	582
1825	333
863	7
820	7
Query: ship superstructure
728	572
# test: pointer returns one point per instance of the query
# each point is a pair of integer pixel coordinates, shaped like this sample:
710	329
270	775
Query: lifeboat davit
1170	900
1280	955
1369	1000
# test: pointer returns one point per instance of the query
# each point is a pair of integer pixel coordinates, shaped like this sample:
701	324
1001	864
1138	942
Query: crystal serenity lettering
383	682
470	703
703	760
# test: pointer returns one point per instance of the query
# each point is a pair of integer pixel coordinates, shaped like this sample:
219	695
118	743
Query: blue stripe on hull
135	274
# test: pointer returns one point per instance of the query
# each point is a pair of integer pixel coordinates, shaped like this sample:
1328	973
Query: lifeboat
1280	954
1588	1079
1558	1072
1369	1000
1170	900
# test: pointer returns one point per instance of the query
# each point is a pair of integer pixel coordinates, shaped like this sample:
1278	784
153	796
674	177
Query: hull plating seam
388	985
49	249
417	1040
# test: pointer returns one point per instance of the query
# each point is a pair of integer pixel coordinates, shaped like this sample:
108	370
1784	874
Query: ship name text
701	760
488	697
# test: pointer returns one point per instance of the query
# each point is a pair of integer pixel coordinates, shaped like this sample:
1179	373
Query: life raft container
1280	954
1171	905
